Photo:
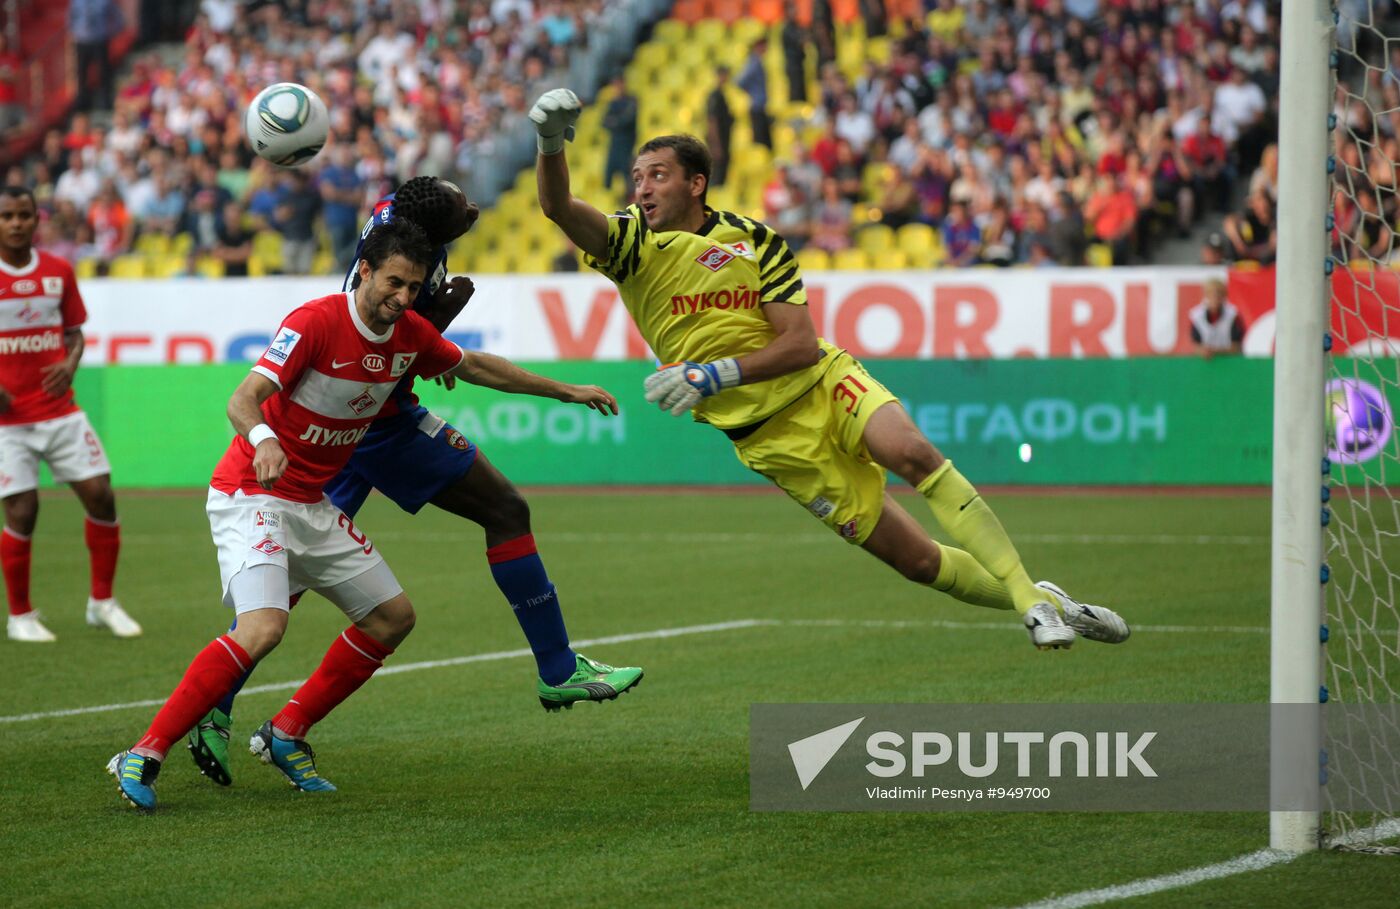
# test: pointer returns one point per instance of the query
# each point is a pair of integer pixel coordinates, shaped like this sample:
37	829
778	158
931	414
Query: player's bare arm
58	377
491	371
554	115
245	413
793	348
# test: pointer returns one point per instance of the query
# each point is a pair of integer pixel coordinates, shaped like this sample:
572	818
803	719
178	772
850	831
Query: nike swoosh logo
336	364
666	244
969	502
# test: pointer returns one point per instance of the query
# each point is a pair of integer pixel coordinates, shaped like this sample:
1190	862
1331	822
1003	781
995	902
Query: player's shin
348	664
519	573
15	558
972	525
963	578
209	676
104	541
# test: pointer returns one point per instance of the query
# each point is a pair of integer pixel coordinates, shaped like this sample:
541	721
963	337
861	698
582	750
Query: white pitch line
1012	626
1254	861
414	667
803	539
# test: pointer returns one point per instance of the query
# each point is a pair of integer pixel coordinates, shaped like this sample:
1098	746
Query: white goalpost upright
1301	308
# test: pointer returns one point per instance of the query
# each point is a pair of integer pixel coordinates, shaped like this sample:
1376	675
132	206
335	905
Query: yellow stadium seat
917	239
875	238
267	246
323	263
209	267
812	259
128	266
890	260
182	244
165	266
747	31
851	260
152	244
1100	255
671	31
85	268
710	33
491	263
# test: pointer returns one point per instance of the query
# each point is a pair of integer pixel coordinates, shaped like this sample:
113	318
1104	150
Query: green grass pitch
457	789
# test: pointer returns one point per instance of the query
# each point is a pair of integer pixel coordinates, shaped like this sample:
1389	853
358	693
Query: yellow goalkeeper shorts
814	450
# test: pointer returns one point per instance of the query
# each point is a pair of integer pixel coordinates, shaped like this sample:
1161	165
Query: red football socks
352	659
213	672
14	560
104	540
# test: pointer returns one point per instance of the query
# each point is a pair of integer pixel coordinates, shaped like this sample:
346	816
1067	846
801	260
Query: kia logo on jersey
373	362
25	286
715	258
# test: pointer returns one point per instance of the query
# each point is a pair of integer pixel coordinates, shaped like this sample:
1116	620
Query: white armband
259	434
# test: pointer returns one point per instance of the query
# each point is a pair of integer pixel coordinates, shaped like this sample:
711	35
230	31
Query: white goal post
1301	307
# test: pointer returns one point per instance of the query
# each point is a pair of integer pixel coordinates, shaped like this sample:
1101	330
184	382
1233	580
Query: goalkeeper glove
680	386
554	115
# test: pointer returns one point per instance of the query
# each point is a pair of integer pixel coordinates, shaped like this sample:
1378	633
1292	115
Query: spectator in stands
566	260
620	120
11	114
235	242
1216	326
79	184
294	218
203	221
340	203
786	207
719	127
1210	165
92	24
1253	234
831	220
753	79
794	39
961	237
110	223
1112	213
998	238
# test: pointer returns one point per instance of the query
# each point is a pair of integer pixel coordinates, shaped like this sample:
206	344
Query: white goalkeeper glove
554	115
680	386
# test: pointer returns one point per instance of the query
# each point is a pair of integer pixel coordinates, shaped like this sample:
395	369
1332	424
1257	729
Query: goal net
1361	510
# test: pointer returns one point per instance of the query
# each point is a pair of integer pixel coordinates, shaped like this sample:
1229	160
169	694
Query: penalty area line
415	667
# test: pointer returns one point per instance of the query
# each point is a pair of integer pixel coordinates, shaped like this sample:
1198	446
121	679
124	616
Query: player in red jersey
41	342
332	365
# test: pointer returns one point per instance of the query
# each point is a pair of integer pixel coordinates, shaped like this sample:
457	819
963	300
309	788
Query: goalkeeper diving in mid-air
720	298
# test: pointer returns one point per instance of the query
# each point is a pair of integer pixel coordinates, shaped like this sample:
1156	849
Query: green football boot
591	681
208	744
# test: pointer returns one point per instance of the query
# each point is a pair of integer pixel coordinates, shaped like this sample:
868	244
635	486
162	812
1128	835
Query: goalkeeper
414	458
720	298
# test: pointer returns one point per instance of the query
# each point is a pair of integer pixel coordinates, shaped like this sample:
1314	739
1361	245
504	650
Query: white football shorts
67	444
309	547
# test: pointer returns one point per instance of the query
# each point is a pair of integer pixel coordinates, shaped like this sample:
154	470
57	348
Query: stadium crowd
412	87
1024	131
1027	131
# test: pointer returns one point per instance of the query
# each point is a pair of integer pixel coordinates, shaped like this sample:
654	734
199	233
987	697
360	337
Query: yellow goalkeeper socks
963	577
971	524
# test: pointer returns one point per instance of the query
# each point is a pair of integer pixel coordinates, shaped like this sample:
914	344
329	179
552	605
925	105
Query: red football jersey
37	304
333	376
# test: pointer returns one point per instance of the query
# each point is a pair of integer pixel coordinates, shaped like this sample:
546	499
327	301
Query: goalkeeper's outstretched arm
554	115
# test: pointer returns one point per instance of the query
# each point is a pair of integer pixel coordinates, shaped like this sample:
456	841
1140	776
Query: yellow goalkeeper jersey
699	297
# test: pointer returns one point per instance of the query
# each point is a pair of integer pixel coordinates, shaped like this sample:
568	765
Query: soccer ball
286	124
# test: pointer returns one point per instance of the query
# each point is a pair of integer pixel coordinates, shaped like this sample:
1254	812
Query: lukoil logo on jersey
320	435
741	297
42	343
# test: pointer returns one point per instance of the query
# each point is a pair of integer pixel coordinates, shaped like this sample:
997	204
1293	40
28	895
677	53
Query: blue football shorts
409	457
